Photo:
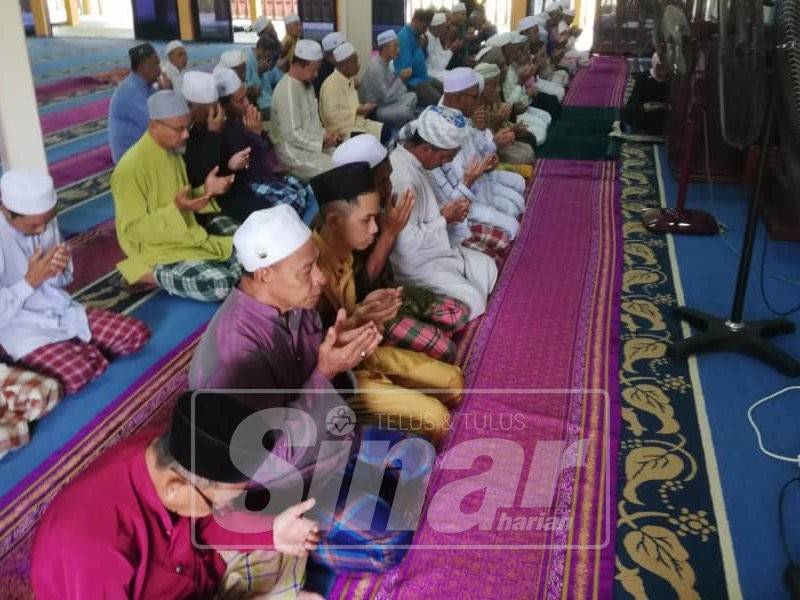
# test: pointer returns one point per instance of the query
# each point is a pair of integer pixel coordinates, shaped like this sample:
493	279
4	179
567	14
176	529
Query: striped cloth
262	574
429	330
288	190
25	396
488	239
203	280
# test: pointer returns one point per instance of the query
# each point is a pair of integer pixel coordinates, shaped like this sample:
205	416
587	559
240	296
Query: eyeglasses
179	129
218	510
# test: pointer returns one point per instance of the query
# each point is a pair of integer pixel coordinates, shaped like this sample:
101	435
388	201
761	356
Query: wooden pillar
72	12
41	18
354	20
256	9
519	9
186	20
578	12
21	143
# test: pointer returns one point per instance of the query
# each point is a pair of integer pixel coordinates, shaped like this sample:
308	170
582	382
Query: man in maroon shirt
148	518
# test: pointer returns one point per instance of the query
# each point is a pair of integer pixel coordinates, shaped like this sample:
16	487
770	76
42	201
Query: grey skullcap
166	104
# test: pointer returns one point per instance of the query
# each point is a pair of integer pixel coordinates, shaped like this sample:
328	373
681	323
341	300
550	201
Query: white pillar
355	22
21	142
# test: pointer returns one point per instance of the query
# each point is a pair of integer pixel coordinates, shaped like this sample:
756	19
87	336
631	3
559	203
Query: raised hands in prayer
479	118
504	137
526	72
252	119
475	169
505	111
396	216
456	211
493	161
344	348
216	118
216	185
378	307
185	202
519	129
164	82
240	160
294	534
44	265
366	108
405	74
457	45
331	140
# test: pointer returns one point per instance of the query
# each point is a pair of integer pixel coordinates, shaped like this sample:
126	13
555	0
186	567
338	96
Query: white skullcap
440	126
292	18
232	58
460	8
483	52
498	40
362	148
343	52
438	19
517	38
332	41
268	236
384	37
459	79
174	45
570	12
227	81
551	7
487	70
27	192
308	50
260	24
527	23
200	87
166	104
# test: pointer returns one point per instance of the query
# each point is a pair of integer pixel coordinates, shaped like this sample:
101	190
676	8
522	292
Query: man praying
175	64
412	56
381	86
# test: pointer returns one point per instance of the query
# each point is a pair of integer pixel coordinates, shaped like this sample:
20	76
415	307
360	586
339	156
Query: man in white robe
530	28
422	254
301	142
440	56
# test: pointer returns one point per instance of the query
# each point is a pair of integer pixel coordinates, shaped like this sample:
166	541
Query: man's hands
216	118
504	137
479	118
331	140
457	45
343	349
395	218
164	82
216	185
240	160
185	202
405	74
505	111
475	170
44	265
456	211
366	109
252	119
292	533
378	307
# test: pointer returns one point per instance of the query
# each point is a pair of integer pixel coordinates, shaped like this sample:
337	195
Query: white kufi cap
268	236
27	192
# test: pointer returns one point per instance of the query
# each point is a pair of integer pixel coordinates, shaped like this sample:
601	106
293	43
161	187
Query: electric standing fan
747	111
682	58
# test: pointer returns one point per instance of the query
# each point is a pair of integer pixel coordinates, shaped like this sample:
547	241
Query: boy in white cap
339	106
386	89
175	64
41	327
294	32
329	43
423	254
301	142
156	211
440	47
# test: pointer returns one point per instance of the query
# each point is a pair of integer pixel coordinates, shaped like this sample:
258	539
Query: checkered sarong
203	280
263	574
74	363
221	225
25	396
488	239
288	190
429	331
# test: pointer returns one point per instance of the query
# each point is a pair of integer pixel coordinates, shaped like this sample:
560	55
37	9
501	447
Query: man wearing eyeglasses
156	211
159	515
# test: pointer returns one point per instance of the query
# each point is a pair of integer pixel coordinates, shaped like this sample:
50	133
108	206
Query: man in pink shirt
135	523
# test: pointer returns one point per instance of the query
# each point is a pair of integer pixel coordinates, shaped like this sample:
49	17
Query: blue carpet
87	215
76	146
731	383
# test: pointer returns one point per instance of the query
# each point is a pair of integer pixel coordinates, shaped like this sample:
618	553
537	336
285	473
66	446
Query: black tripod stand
733	334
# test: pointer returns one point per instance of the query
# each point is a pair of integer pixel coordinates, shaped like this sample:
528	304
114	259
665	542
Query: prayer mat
601	84
581	134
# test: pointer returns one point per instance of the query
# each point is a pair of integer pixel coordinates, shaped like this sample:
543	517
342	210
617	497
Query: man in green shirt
155	210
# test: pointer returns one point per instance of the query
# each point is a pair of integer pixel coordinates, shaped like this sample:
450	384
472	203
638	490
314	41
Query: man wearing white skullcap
382	86
207	119
495	196
156	208
483	28
233	59
341	111
567	35
301	142
440	48
423	254
260	24
41	327
329	43
294	32
173	66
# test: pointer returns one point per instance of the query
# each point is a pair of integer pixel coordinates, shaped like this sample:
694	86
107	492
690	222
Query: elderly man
339	107
127	114
396	385
545	79
155	207
440	46
41	327
381	86
301	142
175	64
294	33
329	43
146	509
423	254
412	56
244	151
461	33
